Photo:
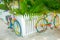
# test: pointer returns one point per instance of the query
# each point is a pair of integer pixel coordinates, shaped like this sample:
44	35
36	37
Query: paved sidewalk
7	34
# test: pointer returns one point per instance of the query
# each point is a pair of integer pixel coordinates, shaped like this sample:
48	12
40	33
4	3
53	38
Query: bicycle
42	23
14	24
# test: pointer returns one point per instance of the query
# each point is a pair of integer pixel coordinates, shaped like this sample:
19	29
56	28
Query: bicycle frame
10	20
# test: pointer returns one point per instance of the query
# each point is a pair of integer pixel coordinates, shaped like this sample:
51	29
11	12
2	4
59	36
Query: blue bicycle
14	24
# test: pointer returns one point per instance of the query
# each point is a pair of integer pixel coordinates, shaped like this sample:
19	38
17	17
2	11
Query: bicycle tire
40	25
17	28
56	24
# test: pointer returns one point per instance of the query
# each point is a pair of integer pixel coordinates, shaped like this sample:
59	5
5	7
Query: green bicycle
42	23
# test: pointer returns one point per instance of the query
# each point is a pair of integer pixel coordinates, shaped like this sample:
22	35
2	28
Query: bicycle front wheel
41	25
17	28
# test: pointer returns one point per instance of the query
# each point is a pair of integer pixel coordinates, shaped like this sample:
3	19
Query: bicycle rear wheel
17	28
56	21
41	25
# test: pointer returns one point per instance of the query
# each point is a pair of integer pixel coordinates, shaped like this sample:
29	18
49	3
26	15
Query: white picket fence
27	24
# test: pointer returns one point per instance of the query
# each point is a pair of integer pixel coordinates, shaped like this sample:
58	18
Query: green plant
2	6
35	7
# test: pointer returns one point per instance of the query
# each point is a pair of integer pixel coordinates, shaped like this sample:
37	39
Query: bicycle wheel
17	28
41	25
56	21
